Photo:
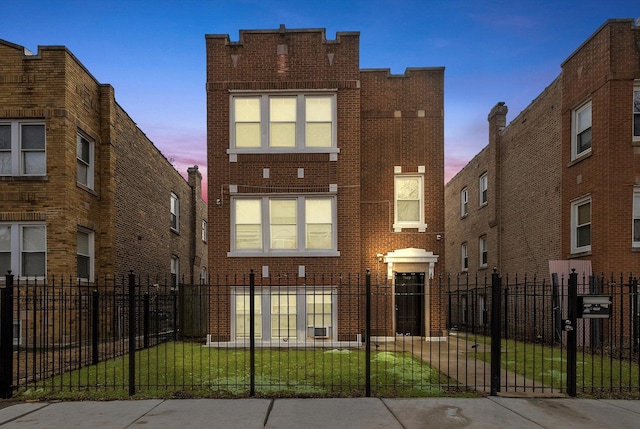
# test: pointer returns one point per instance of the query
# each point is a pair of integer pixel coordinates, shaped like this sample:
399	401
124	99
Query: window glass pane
248	211
247	117
636	230
283	224
83	149
283	109
318	134
83	243
248	218
248	237
636	125
319	309
318	210
33	238
84	266
318	109
408	211
5	249
584	214
247	109
33	137
283	315
283	135
636	113
5	162
319	223
5	263
584	236
584	141
407	189
319	236
243	316
33	264
5	137
34	163
83	173
584	119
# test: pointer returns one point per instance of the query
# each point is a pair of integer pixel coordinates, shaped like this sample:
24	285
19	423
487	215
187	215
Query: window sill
175	231
398	227
87	189
286	253
24	178
483	205
579	158
576	254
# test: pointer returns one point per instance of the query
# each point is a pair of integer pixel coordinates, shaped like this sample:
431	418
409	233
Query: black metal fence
332	335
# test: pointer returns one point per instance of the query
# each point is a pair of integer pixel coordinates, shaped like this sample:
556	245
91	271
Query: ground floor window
285	313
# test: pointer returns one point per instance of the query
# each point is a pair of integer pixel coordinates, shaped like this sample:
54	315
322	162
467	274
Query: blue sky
153	52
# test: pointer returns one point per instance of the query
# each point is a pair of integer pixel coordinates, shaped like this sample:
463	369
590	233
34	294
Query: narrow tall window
243	315
204	230
33	149
581	138
85	161
483	186
85	255
636	218
248	224
175	271
484	251
464	202
283	223
5	149
283	315
33	251
283	121
319	120
319	223
5	249
175	212
247	122
409	210
464	256
636	112
581	225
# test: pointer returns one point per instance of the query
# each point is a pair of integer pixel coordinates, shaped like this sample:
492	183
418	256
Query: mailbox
594	306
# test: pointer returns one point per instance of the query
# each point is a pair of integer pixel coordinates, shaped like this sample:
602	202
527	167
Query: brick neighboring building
84	194
563	178
309	159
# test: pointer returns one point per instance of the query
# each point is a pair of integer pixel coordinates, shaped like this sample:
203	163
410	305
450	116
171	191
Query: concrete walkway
365	413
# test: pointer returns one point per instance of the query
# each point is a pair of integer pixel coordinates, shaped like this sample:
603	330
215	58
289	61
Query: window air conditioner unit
321	332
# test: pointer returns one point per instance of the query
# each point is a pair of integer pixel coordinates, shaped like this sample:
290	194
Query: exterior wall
382	122
603	70
129	232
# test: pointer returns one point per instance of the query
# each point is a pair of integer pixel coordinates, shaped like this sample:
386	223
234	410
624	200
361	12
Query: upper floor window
22	148
84	156
483	186
23	249
581	131
175	212
483	251
636	218
291	122
464	202
581	225
85	254
204	230
636	111
464	257
283	226
409	202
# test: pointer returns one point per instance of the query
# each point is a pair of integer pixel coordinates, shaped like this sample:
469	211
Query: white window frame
16	151
464	257
264	249
175	212
575	131
91	255
87	164
575	205
16	231
483	189
635	238
464	202
175	271
205	231
635	132
265	123
399	225
264	329
483	250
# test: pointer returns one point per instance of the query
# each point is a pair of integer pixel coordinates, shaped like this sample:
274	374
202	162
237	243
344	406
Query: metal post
6	339
570	327
496	313
367	334
94	328
132	333
252	334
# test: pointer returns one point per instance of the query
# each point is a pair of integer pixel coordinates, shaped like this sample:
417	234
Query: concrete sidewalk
490	412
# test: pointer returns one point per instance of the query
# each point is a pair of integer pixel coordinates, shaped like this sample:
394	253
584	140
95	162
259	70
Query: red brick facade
125	205
536	178
382	123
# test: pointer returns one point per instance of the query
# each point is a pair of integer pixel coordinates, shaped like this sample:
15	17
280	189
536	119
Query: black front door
409	303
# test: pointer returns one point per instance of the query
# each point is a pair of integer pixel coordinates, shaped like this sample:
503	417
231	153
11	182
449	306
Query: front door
409	303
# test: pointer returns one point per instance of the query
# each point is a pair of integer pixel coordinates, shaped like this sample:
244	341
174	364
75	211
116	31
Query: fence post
570	325
496	331
367	334
6	338
252	334
132	333
94	328
145	320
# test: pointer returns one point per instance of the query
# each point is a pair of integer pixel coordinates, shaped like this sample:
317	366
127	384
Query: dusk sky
153	52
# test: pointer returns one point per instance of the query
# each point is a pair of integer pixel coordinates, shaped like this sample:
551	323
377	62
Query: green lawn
597	374
189	370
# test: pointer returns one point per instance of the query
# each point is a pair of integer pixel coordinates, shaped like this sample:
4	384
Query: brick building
318	168
562	180
84	193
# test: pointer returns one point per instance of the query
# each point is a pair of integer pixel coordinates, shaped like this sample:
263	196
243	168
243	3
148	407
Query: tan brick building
563	178
318	168
84	193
